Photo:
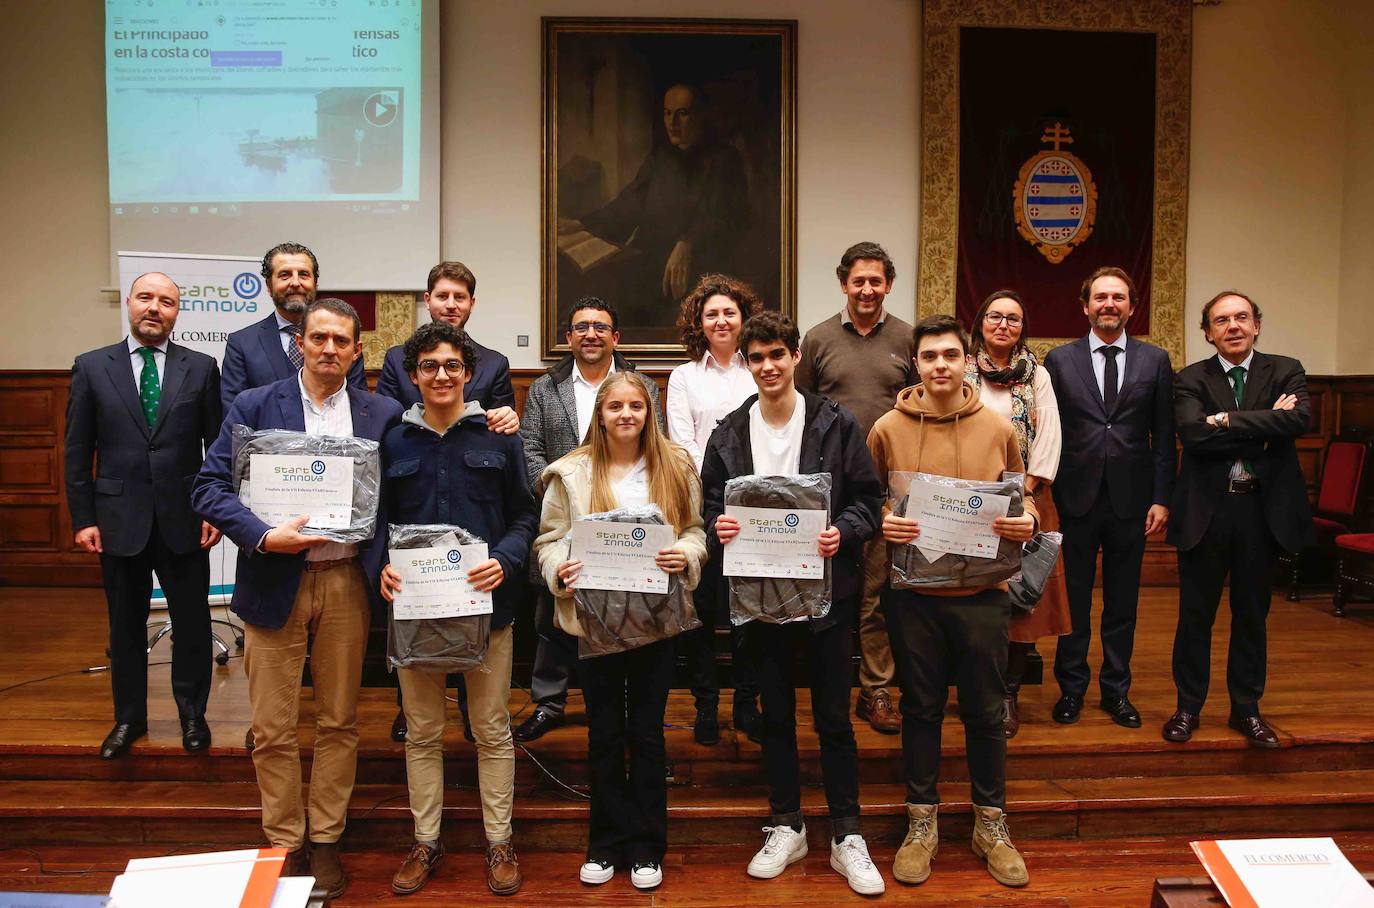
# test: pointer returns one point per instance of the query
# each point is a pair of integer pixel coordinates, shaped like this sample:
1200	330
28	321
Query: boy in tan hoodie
940	427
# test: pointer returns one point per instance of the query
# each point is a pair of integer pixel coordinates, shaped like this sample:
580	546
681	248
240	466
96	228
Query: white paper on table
620	556
955	521
1277	873
293	892
434	581
285	486
223	879
775	542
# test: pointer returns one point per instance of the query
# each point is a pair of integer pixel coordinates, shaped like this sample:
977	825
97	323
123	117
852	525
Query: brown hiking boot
879	712
1011	722
992	842
326	869
920	846
417	868
503	870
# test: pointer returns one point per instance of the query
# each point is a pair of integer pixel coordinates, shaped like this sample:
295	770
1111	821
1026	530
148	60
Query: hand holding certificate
439	587
434	581
620	556
776	542
952	533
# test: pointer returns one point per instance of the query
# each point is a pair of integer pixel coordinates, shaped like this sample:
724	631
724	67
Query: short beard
295	307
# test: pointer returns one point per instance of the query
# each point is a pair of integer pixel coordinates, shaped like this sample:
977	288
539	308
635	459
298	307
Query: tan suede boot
992	842
920	846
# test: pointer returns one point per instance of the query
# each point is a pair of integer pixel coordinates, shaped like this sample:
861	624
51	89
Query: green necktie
149	390
1237	374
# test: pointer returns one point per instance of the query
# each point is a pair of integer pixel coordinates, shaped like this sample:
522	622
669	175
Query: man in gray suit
141	414
558	411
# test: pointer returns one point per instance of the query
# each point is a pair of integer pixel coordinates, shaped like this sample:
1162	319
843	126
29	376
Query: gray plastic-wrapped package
614	621
367	472
1037	561
778	600
456	644
910	569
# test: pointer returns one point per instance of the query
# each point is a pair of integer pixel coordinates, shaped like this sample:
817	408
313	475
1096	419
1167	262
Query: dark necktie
293	351
1237	374
1109	377
149	390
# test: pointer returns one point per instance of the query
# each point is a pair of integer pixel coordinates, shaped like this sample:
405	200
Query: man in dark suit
266	351
450	295
297	591
1116	475
1240	498
143	411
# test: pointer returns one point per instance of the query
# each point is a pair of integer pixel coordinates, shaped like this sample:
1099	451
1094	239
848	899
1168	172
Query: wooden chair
1354	567
1340	492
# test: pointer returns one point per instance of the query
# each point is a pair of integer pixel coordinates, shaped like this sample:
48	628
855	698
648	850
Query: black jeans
772	649
1237	542
698	647
128	585
934	639
1122	543
626	694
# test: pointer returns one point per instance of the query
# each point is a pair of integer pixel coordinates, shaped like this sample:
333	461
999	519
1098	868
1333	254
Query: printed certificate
775	542
955	521
283	486
1277	873
434	581
620	556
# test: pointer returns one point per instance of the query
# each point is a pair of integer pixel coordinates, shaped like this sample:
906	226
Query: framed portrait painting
669	153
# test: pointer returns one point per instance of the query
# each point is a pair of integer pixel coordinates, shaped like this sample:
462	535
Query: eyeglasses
588	327
996	318
430	367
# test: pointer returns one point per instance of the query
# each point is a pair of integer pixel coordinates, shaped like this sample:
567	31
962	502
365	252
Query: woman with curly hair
701	391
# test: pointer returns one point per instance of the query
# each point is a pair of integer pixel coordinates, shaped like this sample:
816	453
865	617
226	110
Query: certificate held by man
434	581
955	521
776	542
284	486
620	556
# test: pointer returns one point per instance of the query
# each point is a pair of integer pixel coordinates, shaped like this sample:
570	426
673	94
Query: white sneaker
783	848
594	873
850	859
647	875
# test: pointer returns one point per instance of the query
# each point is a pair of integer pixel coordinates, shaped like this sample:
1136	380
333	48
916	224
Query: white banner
219	295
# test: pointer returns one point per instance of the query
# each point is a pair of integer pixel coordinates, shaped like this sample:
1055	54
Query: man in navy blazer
294	587
1116	475
144	431
263	352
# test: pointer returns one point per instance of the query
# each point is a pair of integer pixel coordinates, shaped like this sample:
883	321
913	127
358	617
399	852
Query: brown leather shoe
1011	721
249	741
326	869
879	712
417	868
297	862
1181	726
503	870
1256	731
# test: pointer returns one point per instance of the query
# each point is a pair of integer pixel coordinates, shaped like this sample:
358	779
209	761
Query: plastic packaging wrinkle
910	569
778	600
435	644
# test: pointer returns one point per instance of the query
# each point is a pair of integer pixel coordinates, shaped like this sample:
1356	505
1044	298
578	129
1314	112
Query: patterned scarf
1016	378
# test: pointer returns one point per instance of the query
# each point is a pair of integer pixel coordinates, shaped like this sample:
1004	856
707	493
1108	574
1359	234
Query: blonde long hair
670	467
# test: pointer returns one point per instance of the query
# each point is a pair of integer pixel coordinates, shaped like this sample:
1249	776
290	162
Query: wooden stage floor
1099	811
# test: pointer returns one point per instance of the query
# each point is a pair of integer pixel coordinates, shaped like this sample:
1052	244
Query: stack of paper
225	879
1280	873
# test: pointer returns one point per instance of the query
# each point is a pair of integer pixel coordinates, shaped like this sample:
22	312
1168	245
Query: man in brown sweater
860	358
941	427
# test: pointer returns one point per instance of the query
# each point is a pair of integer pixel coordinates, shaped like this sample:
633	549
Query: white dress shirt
286	338
700	394
334	418
777	452
1095	344
584	395
1238	470
136	360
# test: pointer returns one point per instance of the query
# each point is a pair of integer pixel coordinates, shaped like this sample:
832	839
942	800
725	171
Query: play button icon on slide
381	107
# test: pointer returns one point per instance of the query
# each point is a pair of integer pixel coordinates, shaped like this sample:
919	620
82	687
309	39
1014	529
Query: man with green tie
140	416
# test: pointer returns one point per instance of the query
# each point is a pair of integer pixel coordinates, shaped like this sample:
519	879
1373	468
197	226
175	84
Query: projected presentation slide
220	104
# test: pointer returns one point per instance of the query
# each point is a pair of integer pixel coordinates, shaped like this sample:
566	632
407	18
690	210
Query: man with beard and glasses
1116	476
140	416
266	351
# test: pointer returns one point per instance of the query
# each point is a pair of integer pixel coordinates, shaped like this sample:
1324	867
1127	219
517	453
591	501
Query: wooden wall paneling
36	536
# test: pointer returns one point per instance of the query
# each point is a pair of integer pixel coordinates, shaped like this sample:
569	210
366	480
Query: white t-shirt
777	451
632	490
